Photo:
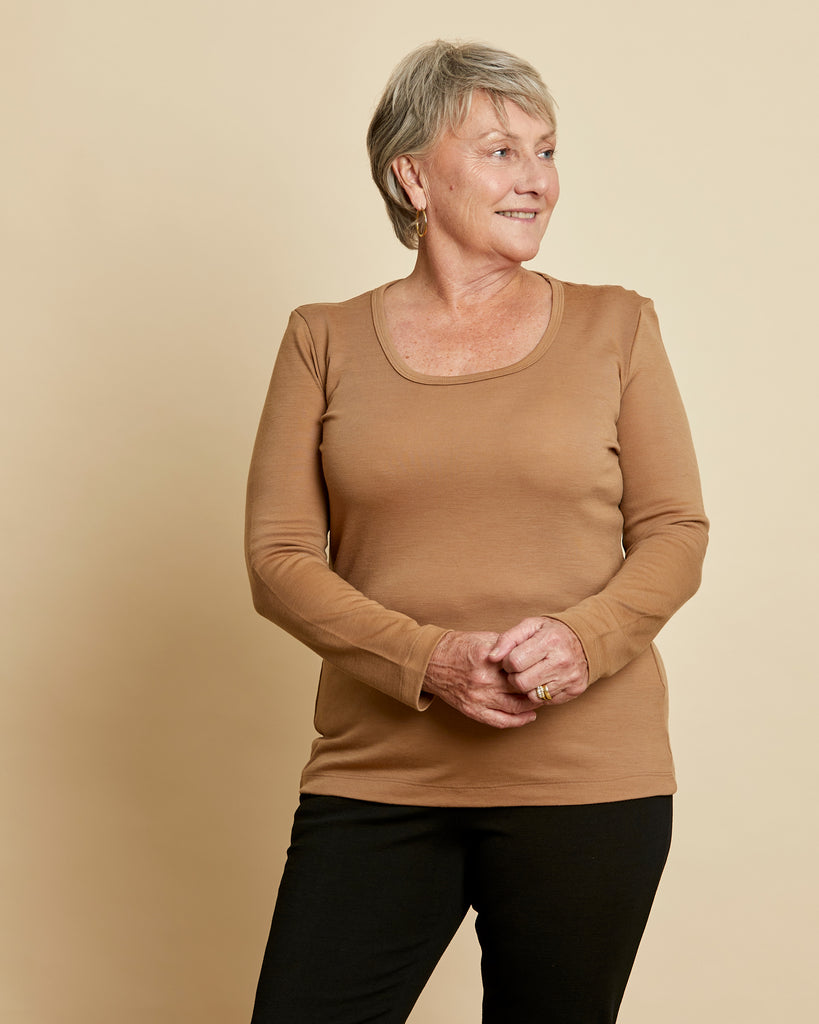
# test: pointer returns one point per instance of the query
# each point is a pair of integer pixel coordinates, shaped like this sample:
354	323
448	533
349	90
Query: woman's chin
519	250
520	254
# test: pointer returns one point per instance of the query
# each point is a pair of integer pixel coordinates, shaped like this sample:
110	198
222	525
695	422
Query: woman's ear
407	171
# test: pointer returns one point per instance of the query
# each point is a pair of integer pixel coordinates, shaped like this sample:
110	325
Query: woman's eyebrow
511	135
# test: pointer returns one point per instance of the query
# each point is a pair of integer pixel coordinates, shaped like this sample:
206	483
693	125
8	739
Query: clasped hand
494	678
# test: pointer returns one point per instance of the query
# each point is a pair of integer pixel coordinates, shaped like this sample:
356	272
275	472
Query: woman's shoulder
343	311
334	328
597	295
608	308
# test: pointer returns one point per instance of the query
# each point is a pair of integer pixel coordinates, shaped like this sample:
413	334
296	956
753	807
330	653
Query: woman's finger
513	638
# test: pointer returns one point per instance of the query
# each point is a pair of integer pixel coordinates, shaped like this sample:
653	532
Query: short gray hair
431	91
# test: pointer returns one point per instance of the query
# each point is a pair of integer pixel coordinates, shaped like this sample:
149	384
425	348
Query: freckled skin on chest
492	337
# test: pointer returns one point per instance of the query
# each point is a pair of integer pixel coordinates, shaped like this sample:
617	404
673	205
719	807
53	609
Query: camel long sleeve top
562	485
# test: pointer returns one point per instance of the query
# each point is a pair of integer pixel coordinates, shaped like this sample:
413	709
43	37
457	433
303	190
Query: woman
504	467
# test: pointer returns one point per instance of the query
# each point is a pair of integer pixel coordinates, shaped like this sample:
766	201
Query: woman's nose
534	175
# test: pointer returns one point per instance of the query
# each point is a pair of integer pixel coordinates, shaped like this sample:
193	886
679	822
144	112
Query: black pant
373	893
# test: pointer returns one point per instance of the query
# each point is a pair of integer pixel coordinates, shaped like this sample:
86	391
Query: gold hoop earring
421	227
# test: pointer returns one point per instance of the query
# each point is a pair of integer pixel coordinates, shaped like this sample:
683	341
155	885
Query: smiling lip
518	214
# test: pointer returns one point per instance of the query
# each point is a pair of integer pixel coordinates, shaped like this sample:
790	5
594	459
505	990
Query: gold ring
543	692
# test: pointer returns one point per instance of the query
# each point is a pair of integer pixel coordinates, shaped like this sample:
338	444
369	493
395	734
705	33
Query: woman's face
489	189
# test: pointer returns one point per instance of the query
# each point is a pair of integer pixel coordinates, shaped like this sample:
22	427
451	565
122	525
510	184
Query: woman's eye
547	153
502	151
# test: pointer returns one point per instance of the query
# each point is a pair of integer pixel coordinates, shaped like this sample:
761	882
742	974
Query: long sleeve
286	539
665	530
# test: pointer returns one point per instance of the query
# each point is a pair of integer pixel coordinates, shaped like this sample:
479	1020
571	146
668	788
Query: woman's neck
460	286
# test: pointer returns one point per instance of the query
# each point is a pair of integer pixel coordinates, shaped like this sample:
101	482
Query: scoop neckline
400	366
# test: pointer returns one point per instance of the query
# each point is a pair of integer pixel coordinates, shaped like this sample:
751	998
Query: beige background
177	175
